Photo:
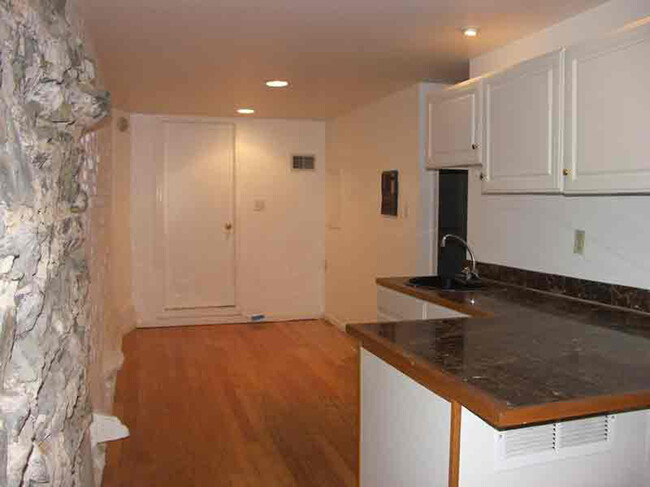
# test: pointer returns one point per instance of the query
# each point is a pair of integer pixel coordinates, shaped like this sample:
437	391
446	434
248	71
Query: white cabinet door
395	306
607	114
522	133
454	126
437	312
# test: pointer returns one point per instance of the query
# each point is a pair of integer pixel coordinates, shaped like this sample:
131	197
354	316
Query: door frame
199	315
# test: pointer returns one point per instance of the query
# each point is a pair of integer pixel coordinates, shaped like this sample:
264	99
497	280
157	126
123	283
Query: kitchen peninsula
517	387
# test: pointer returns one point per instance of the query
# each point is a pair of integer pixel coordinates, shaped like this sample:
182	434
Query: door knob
474	146
228	226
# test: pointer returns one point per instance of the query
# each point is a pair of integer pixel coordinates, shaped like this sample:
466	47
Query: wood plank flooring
270	404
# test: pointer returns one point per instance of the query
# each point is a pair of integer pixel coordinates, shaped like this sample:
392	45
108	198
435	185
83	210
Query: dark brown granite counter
523	357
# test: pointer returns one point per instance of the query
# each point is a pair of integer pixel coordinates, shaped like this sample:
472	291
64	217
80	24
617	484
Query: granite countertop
523	356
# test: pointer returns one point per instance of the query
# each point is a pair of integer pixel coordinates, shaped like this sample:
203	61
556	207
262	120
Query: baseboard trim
335	321
223	320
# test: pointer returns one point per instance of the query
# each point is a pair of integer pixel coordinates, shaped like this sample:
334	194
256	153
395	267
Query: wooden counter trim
555	411
431	297
492	410
444	385
454	444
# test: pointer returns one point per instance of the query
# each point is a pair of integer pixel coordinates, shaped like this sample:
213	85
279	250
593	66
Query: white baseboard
223	320
335	321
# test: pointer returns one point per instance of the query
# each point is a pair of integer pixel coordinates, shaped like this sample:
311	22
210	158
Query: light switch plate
579	242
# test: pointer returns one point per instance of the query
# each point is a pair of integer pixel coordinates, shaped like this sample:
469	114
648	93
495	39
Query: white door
607	114
197	213
454	121
522	139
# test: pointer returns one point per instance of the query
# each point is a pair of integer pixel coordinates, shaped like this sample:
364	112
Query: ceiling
208	57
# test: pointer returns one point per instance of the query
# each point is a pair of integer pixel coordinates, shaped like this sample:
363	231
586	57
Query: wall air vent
546	443
303	162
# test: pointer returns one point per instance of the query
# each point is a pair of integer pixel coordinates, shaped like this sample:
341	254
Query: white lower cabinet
396	306
405	429
616	458
405	441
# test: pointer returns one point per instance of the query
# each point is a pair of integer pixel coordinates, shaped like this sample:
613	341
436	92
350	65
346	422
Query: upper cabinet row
571	121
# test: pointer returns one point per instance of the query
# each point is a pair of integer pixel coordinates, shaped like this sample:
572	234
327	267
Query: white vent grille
307	162
546	443
583	431
526	441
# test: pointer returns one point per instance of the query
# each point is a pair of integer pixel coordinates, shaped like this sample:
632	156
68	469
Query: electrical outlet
579	242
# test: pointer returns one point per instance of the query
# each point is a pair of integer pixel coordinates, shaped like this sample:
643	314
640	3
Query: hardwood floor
270	404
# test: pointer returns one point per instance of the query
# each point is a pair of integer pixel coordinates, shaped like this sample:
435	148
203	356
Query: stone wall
47	104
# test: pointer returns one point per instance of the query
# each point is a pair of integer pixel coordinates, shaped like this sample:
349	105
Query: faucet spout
469	273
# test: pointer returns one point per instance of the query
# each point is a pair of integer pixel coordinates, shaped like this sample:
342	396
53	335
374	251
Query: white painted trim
428	186
434	181
334	321
162	322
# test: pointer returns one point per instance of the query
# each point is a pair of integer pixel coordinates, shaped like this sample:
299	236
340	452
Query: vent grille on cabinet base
550	442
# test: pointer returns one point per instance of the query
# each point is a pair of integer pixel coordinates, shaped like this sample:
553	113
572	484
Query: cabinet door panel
398	306
453	131
437	312
607	112
523	127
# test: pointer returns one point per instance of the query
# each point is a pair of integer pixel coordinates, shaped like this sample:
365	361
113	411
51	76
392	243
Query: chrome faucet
471	272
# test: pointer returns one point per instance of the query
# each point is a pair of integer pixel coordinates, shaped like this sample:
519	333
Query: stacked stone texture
47	102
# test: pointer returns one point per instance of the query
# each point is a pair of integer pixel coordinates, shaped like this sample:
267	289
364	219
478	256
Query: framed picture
389	192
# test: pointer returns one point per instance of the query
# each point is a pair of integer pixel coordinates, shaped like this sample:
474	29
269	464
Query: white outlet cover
579	239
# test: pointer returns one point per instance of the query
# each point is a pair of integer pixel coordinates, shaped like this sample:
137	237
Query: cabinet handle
228	226
482	176
474	146
566	172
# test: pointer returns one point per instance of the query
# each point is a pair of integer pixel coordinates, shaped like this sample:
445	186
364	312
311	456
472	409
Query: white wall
280	251
362	244
536	232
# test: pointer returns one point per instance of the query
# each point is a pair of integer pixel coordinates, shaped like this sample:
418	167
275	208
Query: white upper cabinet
606	134
454	122
523	130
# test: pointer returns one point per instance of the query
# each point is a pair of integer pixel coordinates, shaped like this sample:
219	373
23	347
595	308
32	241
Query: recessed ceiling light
470	31
277	83
245	111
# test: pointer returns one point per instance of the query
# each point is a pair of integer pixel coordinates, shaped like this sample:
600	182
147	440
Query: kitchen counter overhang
523	357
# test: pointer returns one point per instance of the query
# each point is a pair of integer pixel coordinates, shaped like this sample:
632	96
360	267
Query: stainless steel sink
445	283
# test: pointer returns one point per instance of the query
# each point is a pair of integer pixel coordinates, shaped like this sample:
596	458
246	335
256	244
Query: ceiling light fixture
245	111
470	31
277	83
